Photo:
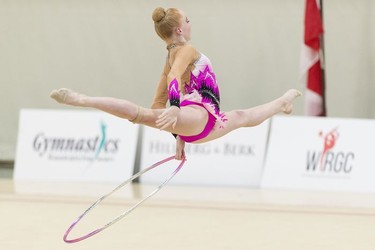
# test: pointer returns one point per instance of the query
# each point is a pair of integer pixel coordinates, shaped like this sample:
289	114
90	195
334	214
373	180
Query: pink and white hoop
116	219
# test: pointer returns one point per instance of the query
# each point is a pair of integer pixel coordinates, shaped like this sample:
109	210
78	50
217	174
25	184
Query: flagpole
323	61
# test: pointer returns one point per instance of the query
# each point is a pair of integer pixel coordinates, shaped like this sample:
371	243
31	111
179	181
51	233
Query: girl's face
185	26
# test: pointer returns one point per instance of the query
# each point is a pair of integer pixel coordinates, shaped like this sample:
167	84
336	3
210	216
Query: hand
168	118
180	149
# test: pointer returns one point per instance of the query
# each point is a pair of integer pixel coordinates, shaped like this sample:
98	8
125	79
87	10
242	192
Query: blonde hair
165	21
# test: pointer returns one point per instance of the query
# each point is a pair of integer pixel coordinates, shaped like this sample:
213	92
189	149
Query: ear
179	30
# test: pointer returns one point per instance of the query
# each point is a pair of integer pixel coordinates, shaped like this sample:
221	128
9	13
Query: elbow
158	105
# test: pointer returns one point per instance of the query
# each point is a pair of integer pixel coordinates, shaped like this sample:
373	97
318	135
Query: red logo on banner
329	142
330	159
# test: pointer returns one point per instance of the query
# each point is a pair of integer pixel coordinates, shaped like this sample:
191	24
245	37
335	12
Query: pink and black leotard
203	91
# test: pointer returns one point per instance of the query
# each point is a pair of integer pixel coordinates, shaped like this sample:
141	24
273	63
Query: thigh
191	120
234	121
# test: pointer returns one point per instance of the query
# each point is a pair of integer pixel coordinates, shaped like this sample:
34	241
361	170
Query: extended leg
191	120
255	116
121	108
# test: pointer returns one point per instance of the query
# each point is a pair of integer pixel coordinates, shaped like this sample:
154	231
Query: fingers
164	123
174	123
163	115
161	121
180	149
180	154
167	118
183	154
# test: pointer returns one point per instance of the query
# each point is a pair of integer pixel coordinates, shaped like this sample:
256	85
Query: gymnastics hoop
116	219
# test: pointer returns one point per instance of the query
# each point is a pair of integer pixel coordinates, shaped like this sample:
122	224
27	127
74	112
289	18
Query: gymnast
190	85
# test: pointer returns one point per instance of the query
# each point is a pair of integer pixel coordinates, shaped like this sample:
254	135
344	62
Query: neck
175	41
174	45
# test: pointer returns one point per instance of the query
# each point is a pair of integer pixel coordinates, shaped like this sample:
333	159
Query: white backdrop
292	152
109	47
321	154
58	145
233	160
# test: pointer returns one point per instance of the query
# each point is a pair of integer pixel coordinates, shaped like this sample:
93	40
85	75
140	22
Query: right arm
160	101
183	57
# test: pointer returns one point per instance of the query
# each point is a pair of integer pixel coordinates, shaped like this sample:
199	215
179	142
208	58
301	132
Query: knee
236	118
243	118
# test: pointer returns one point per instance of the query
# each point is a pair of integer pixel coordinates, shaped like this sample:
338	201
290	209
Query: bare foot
67	96
287	100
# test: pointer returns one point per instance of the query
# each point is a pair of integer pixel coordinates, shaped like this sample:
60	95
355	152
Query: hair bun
158	14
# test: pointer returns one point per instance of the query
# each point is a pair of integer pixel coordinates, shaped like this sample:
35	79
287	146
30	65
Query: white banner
74	145
233	160
321	154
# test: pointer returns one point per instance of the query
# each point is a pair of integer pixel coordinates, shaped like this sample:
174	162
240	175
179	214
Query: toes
59	95
288	109
53	93
292	94
289	97
299	93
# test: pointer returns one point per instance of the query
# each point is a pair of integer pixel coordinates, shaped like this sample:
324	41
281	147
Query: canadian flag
312	60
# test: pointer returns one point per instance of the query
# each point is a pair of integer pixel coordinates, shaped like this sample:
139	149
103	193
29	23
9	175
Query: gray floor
36	215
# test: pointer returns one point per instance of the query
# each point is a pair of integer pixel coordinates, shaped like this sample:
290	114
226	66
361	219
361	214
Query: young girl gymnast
189	83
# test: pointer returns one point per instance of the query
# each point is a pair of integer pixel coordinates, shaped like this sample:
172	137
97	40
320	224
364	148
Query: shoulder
188	51
187	48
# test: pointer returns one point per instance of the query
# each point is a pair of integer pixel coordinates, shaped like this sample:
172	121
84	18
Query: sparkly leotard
203	91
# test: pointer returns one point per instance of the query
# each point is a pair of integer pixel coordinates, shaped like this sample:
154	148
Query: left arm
180	148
